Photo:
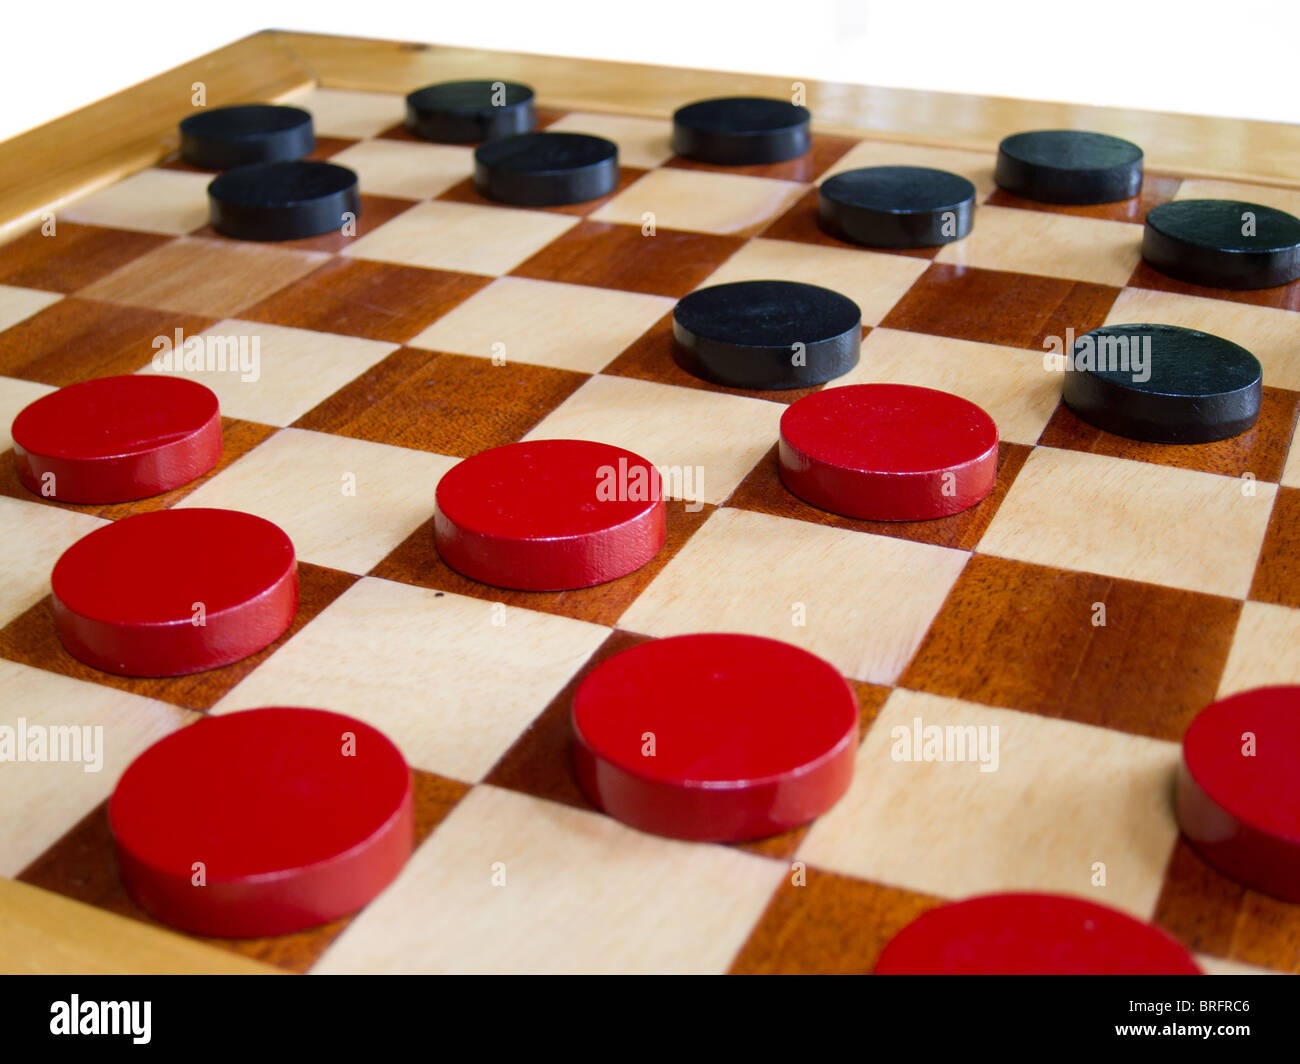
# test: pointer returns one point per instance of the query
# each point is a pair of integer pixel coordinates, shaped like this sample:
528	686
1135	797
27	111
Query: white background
1239	58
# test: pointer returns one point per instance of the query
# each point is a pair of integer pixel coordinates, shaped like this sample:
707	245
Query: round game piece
174	591
455	112
1239	792
896	206
714	737
1031	934
1223	243
1163	383
741	131
225	137
546	169
549	515
1069	166
263	822
767	334
117	438
287	200
888	452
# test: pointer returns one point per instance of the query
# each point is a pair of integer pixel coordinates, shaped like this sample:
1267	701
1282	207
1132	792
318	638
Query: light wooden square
43	799
700	200
171	202
1134	520
34	537
294	369
344	113
715	438
1009	383
1284	199
453	681
215	278
545	323
642	142
1053	245
44	933
15	394
581	894
301	481
862	602
975	166
1266	332
1265	649
19	303
1291	474
1065	798
874	280
461	236
409	171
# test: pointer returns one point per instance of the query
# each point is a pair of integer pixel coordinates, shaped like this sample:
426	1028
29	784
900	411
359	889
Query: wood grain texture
1248	150
44	168
45	934
83	866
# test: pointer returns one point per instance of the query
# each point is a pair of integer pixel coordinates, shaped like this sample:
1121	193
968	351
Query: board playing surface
1083	613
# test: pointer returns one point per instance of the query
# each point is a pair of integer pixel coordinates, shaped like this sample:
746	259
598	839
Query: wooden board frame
44	168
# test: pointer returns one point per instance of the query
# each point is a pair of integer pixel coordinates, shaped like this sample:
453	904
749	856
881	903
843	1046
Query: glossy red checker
715	736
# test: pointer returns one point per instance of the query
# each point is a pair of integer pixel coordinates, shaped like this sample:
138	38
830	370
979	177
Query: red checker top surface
724	709
151	568
114	417
1031	934
889	428
1263	789
258	792
548	489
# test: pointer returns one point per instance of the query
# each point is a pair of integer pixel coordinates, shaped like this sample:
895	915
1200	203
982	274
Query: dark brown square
999	307
464	192
825	152
1209	913
1284	297
82	865
1277	577
31	639
763	492
799	224
450	404
669	263
72	257
651	358
237	439
415	561
375	300
828	924
1260	451
1023	637
80	339
1156	189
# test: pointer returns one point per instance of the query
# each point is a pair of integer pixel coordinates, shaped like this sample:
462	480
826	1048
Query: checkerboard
377	362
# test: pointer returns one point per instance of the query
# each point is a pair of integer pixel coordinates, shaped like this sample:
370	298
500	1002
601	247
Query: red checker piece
1239	788
715	737
117	438
549	515
263	822
888	452
174	592
1031	934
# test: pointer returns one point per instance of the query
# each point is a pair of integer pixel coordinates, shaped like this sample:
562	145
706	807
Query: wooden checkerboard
377	361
